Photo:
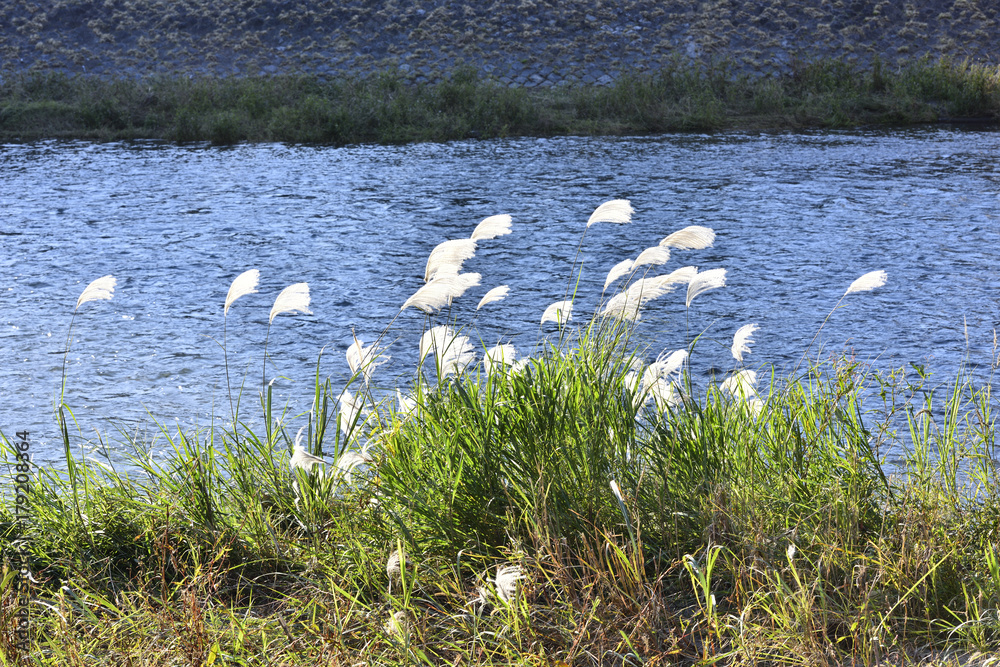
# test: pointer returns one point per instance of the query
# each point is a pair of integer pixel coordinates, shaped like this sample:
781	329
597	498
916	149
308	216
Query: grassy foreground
389	109
575	506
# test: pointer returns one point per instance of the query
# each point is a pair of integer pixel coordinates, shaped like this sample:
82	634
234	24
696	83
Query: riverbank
392	108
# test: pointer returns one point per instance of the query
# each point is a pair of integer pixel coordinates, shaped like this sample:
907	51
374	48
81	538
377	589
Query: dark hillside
529	43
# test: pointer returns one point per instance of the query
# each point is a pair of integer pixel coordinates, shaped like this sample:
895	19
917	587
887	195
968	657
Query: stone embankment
519	42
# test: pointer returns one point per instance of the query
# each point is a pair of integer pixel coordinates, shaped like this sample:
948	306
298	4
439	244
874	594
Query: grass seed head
245	283
101	289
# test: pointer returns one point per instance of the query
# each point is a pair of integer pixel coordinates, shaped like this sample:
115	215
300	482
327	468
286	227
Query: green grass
739	532
388	108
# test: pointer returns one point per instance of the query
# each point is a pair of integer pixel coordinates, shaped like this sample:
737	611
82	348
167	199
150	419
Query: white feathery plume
435	338
292	298
618	211
665	394
741	340
399	625
694	237
867	282
492	227
406	403
495	294
665	366
742	384
365	359
703	282
506	581
559	312
617	271
626	304
499	355
300	457
350	406
350	460
452	352
654	256
457	356
100	289
754	406
393	566
449	254
441	291
245	283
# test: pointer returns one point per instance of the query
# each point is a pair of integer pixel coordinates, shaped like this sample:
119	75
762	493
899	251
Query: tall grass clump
583	501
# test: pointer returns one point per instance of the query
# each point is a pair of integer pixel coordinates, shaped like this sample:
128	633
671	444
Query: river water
798	218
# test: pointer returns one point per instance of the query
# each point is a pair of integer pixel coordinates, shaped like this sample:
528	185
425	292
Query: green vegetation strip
388	109
574	507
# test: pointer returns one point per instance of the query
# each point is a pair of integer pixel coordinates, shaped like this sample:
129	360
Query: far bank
391	108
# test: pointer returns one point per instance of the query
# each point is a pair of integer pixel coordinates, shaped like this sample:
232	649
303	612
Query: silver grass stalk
301	458
617	491
101	289
867	282
654	256
245	283
494	295
291	299
497	356
449	254
441	291
492	227
742	339
365	359
742	384
618	211
506	582
703	282
559	312
694	237
617	271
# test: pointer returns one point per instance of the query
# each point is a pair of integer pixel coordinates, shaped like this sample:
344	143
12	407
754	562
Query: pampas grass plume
300	457
741	340
245	283
694	237
495	294
655	256
617	271
101	289
703	282
449	254
441	291
618	211
492	227
867	282
293	298
559	312
506	581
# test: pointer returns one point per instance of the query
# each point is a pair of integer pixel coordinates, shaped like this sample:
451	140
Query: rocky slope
521	42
